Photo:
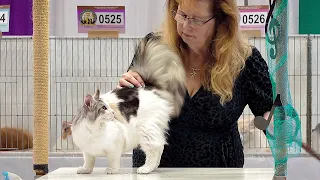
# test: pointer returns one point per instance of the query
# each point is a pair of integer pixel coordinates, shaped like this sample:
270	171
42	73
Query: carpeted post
41	83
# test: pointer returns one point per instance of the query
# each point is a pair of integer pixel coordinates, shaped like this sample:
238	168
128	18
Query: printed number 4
2	18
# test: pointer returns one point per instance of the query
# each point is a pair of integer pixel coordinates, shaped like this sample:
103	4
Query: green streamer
284	135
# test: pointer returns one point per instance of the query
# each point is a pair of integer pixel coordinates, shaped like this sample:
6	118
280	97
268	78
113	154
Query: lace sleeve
259	97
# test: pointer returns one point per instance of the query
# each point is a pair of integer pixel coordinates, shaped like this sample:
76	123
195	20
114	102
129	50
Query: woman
224	73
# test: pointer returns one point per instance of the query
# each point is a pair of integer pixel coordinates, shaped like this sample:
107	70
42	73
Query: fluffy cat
125	118
15	139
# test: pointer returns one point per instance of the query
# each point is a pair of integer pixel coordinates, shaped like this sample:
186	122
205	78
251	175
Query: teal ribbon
285	137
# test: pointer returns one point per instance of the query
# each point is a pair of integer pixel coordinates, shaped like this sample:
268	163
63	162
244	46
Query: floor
165	174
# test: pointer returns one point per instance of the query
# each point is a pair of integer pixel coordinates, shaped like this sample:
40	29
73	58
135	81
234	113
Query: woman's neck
195	59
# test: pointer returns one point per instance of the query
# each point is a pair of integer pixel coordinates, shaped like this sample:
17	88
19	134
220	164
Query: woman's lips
186	35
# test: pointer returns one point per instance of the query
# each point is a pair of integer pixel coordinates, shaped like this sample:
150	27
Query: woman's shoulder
255	61
255	56
255	67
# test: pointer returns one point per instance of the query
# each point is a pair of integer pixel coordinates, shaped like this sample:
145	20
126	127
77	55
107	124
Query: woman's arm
260	100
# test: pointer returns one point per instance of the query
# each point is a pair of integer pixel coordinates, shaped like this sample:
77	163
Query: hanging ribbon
285	128
284	136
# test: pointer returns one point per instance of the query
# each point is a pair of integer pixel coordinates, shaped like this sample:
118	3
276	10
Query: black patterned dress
206	133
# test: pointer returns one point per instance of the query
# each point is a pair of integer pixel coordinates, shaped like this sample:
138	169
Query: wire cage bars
79	65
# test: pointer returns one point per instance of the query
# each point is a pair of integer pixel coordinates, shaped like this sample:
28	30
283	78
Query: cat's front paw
144	170
111	170
83	170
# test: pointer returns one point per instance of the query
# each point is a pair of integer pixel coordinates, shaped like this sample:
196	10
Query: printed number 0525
109	18
253	19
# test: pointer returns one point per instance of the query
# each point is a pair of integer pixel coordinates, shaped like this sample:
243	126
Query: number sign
4	18
253	17
101	18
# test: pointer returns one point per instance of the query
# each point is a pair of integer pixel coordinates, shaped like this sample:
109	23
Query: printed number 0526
253	18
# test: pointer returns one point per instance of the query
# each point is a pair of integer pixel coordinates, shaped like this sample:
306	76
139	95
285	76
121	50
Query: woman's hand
131	79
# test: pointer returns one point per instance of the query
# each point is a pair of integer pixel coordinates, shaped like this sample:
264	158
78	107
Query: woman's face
193	32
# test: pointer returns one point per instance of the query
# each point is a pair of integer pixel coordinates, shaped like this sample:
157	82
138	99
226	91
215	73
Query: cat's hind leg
153	157
88	165
159	158
152	141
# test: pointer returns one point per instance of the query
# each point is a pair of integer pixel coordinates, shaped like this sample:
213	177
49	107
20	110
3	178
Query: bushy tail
162	68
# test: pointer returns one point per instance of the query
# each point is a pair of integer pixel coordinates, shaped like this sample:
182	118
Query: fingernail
131	86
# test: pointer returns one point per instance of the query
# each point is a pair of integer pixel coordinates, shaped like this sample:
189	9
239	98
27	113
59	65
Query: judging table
68	173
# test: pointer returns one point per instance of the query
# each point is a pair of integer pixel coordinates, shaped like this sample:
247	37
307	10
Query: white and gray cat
118	121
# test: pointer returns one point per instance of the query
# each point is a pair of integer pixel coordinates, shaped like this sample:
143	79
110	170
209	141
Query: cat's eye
104	107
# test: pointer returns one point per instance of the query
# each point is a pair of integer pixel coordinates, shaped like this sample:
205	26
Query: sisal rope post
41	81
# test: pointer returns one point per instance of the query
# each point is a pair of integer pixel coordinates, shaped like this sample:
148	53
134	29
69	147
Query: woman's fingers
125	83
138	78
131	79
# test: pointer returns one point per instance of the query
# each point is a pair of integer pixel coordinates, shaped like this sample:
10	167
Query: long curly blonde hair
229	48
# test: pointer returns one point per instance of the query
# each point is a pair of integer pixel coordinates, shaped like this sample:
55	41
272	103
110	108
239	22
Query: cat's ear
87	100
96	95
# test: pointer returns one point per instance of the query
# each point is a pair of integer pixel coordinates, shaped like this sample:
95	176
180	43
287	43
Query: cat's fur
15	139
315	138
125	118
250	136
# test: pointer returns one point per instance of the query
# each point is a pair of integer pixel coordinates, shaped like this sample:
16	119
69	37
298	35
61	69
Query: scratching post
41	79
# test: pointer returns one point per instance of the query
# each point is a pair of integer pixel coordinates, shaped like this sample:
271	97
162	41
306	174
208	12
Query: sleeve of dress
259	94
134	59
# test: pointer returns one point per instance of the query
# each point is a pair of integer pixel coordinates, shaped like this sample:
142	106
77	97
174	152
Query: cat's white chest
93	141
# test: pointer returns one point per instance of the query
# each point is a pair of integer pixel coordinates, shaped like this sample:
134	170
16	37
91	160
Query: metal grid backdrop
79	65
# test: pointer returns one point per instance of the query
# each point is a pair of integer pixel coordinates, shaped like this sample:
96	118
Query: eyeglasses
181	18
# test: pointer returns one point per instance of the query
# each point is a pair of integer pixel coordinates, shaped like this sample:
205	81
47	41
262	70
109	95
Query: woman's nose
186	25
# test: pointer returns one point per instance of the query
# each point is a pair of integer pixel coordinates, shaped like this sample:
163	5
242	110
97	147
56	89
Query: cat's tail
160	67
